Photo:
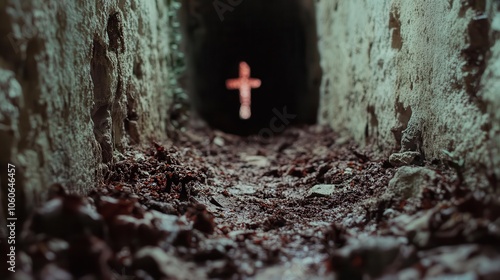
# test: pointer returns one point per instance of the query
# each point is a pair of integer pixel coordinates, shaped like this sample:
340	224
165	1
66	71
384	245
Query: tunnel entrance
274	40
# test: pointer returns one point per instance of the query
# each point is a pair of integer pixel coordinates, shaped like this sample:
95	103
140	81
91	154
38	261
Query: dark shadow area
277	39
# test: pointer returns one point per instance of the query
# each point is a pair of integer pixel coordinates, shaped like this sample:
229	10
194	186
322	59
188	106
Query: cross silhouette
245	84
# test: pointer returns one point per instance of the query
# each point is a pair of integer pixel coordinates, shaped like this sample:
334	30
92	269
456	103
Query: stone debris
258	161
405	158
219	141
323	190
409	182
159	216
241	189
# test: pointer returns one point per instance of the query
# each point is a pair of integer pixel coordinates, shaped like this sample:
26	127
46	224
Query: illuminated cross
245	84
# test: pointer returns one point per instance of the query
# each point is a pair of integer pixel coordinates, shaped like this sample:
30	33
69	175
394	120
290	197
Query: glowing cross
245	84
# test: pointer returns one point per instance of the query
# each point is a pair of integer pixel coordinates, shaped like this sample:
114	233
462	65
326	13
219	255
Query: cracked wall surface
490	89
414	76
79	81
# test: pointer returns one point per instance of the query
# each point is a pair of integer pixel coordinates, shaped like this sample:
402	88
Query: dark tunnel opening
276	39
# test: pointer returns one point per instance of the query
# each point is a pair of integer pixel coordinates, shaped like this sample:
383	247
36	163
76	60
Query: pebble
219	141
322	190
404	158
408	182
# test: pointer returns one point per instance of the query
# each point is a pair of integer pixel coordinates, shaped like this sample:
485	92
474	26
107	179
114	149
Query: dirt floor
303	205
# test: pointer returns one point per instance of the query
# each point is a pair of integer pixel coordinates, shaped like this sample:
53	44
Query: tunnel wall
414	76
79	81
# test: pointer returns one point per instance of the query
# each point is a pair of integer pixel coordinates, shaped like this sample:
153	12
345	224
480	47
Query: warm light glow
244	84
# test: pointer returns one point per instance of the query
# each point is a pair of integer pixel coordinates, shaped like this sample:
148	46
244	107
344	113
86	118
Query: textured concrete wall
413	75
490	88
79	80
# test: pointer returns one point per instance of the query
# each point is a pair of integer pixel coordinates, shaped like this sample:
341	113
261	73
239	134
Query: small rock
405	158
139	157
408	182
322	190
242	190
219	141
348	171
257	161
215	202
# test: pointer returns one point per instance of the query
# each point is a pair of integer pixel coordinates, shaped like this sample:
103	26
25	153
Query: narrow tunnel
249	139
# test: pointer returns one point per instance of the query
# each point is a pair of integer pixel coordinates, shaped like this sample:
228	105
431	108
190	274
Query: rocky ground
304	205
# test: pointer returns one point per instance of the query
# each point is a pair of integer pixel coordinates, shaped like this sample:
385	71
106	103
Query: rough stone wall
490	88
79	81
413	75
